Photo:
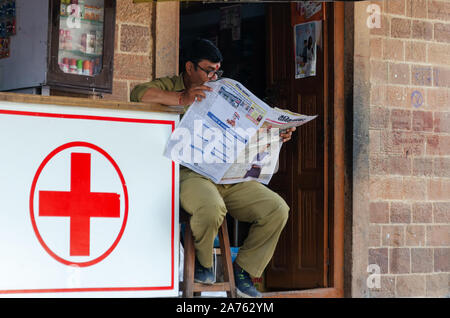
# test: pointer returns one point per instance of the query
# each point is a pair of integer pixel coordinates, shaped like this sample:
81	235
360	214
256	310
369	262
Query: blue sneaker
203	275
244	284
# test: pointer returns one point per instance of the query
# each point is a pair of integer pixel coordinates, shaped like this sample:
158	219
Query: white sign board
89	204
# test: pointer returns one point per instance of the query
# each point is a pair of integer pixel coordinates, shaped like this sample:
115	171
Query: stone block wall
409	149
133	47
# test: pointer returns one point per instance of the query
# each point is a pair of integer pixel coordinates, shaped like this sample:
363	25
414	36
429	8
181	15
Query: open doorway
257	42
238	30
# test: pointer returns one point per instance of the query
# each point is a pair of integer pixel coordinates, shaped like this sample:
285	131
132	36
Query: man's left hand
287	134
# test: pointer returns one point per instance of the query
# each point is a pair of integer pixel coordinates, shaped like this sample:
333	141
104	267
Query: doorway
256	40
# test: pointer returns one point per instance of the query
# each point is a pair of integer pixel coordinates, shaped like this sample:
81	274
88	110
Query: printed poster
306	38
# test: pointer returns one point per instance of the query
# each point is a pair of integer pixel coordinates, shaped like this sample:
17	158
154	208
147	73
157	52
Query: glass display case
59	45
81	37
82	44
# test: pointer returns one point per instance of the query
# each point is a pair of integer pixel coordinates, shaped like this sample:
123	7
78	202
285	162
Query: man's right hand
188	96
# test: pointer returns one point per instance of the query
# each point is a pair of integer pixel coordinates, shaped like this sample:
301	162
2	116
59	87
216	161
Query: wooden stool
188	286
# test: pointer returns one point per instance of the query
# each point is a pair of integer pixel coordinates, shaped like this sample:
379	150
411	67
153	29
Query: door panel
299	260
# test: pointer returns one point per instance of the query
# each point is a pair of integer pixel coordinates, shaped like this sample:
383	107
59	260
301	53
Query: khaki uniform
208	204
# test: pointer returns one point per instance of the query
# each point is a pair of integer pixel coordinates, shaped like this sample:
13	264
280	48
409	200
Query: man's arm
186	97
157	95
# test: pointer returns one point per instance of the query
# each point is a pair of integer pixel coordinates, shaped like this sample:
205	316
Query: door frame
336	164
336	161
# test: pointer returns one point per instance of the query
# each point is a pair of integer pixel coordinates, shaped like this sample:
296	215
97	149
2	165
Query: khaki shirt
168	83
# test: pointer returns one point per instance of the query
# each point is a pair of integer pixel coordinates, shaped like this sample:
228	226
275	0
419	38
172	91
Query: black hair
202	49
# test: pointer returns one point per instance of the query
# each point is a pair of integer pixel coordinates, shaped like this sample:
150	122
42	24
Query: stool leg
227	261
189	263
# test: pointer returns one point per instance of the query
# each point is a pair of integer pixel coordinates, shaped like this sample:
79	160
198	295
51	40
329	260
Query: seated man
208	202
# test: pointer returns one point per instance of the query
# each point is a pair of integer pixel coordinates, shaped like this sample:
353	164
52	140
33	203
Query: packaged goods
80	67
73	66
87	68
98	42
62	36
90	42
65	65
68	40
81	6
63	9
83	42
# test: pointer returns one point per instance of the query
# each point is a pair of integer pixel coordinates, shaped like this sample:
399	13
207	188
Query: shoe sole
243	295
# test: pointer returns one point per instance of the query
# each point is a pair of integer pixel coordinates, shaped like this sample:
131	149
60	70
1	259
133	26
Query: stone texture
374	235
130	12
410	286
393	49
422	121
409	153
439	189
400	212
438	235
392	235
399	73
135	39
119	92
400	28
132	67
380	257
415	235
379	212
422	212
441	212
441	76
401	119
399	260
442	32
416	8
387	288
439	53
421	260
442	167
415	51
395	7
442	122
422	30
437	285
439	9
442	259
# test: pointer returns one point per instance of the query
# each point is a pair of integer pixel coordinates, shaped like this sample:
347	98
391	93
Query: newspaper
231	136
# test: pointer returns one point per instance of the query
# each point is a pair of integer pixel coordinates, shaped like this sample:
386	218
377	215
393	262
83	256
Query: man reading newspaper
208	202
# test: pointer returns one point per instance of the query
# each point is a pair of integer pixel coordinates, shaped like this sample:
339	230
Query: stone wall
133	47
146	44
408	151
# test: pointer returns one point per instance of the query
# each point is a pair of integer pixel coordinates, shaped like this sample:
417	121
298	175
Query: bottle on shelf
68	40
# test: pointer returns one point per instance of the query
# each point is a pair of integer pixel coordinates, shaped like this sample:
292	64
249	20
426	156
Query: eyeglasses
211	74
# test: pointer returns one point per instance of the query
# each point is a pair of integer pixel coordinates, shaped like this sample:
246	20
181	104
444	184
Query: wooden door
300	260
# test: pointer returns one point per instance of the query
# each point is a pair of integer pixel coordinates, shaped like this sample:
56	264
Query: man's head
202	61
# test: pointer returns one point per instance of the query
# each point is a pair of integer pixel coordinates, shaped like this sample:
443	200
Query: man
208	202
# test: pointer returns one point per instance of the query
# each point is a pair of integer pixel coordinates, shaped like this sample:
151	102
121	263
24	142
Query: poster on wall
306	38
307	11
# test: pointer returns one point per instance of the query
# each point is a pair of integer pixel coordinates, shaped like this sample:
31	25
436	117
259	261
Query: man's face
203	72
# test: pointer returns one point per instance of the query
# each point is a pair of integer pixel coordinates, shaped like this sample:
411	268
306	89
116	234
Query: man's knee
210	215
283	212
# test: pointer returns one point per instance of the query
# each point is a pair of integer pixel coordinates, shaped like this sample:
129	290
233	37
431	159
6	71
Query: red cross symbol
80	204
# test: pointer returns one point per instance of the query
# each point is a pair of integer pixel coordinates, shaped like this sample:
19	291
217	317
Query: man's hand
192	94
287	134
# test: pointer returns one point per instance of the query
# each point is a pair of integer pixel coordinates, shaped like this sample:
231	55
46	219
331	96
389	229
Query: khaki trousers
250	202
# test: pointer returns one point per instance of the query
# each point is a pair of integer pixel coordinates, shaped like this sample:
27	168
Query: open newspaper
231	136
